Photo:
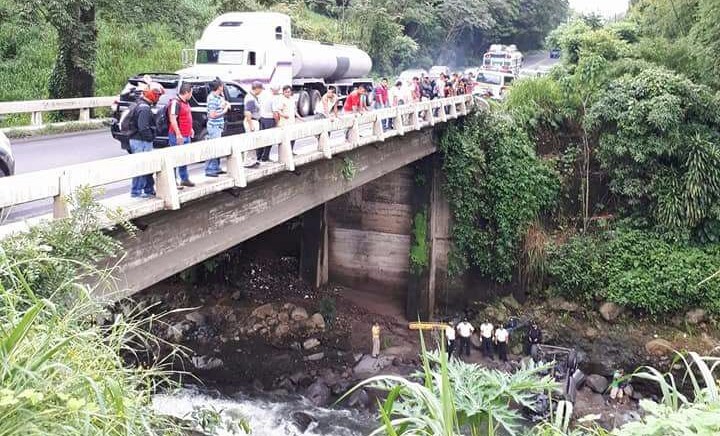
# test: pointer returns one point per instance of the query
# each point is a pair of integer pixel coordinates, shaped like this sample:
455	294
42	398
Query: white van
495	83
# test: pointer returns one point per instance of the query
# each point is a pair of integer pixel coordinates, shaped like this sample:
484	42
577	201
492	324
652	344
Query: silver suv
7	160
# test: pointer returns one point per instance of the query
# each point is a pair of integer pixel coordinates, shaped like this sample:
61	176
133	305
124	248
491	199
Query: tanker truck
247	47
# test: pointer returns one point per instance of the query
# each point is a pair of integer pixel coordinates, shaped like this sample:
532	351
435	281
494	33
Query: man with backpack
140	125
181	127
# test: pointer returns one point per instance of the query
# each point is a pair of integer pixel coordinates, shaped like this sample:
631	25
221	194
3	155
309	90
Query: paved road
537	60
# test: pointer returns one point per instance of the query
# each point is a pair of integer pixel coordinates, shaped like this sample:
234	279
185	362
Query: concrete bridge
343	238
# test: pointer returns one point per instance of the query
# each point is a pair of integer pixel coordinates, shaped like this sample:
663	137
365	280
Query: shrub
638	270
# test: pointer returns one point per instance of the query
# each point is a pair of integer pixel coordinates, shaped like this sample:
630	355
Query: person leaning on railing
142	125
217	107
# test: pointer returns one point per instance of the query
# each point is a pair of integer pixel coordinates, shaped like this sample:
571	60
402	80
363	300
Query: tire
315	104
303	103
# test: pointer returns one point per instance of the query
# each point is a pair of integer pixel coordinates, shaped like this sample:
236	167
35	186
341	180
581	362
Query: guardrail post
167	186
61	208
415	117
443	114
378	130
399	121
236	165
354	133
84	114
36	119
453	109
429	116
285	151
463	107
324	141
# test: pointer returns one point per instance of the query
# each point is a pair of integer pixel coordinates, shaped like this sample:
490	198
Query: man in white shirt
450	337
501	340
284	110
465	330
486	335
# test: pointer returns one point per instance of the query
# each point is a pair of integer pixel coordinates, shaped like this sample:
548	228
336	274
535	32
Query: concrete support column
418	304
314	246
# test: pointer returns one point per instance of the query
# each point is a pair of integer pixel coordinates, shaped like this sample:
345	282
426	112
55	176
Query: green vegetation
419	251
65	367
497	186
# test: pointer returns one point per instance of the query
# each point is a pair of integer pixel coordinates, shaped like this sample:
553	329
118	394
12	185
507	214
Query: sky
605	7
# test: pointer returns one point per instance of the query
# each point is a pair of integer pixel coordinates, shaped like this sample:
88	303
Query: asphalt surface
537	60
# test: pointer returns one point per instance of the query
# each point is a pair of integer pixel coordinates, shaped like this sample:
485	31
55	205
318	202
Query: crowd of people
266	109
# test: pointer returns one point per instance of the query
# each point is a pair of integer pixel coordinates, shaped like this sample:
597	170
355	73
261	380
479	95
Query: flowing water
267	415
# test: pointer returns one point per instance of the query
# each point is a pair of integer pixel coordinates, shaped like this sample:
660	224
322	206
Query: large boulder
597	383
695	316
318	393
264	311
299	314
302	421
510	302
311	343
658	347
610	311
368	365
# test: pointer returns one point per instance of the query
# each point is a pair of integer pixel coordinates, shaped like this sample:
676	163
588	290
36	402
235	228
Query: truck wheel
316	105
303	103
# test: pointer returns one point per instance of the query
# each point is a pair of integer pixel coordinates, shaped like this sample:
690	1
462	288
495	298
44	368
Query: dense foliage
638	270
497	186
62	368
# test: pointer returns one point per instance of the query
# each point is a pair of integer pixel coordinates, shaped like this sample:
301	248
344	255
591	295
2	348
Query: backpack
128	124
162	123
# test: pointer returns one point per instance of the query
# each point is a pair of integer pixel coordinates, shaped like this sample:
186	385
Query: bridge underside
171	241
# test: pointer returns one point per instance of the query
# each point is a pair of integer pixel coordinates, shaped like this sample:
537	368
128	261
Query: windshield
233	57
491	79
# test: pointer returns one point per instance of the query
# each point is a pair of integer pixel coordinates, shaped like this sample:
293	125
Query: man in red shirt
181	127
381	99
353	102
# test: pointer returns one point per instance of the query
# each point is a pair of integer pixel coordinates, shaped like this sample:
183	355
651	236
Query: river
267	415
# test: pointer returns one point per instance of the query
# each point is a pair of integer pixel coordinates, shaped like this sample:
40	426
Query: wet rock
311	343
175	332
206	362
658	347
264	311
317	321
369	365
318	393
302	421
695	316
314	357
299	314
597	383
359	398
340	388
300	378
610	311
283	317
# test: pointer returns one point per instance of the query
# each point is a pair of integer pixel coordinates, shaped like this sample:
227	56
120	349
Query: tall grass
64	368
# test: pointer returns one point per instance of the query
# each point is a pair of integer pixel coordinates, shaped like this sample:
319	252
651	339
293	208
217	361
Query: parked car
7	160
494	84
234	94
555	53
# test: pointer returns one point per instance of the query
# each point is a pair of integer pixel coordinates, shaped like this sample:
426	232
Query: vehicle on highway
504	58
493	83
234	94
555	53
7	160
247	47
435	71
407	75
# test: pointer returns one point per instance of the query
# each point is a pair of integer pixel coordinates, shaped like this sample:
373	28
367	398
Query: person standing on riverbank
486	333
450	337
501	341
375	339
465	330
534	339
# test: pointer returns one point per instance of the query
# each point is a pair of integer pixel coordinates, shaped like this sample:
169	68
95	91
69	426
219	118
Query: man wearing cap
252	113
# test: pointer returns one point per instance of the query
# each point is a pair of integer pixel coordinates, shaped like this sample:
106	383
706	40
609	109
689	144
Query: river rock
318	393
311	343
597	383
175	332
314	357
359	398
610	311
658	347
369	365
283	317
264	311
695	316
317	321
282	329
299	314
206	362
302	421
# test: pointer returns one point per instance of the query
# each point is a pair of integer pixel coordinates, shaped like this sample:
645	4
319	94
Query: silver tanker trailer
246	47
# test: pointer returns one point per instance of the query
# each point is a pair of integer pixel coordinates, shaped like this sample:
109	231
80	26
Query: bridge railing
37	107
331	135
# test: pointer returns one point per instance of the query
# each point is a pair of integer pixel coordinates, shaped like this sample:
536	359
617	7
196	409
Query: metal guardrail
37	107
59	183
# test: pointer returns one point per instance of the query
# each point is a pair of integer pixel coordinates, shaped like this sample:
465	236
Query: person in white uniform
465	330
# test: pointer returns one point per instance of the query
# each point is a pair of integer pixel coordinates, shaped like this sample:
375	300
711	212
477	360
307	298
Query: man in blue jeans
142	126
181	127
217	107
